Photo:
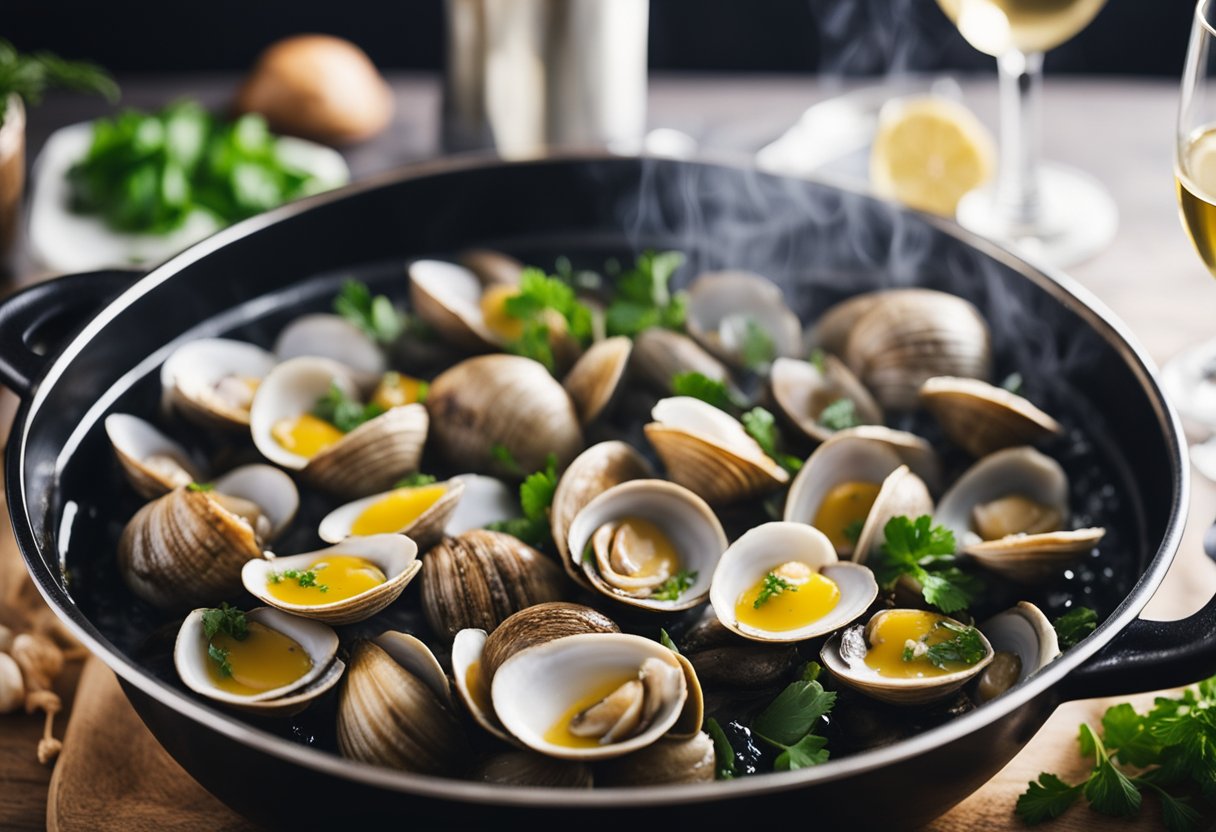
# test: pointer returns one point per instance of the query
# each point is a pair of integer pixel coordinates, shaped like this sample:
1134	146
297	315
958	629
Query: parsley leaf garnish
839	415
220	656
675	586
1049	798
343	412
535	498
502	454
415	480
757	349
665	640
227	620
724	752
774	584
790	720
1013	383
1075	625
305	578
925	552
1108	790
708	390
761	425
538	294
644	298
374	315
200	487
964	647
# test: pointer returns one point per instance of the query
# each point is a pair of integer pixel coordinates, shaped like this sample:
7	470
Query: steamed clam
1025	642
982	418
821	397
212	381
659	355
153	463
595	379
742	318
419	511
331	337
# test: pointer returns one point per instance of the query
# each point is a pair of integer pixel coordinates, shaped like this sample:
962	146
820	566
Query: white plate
63	241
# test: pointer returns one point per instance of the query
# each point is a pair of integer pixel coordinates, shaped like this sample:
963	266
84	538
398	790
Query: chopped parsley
819	359
708	390
503	456
538	294
789	722
343	412
535	497
643	297
964	647
761	425
1075	625
415	480
839	415
675	586
305	578
757	349
200	487
374	315
774	584
220	656
228	621
925	552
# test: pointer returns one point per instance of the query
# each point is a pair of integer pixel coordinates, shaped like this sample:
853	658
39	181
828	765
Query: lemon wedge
928	152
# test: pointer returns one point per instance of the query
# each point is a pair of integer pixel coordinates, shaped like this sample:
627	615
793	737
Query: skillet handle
35	322
1147	656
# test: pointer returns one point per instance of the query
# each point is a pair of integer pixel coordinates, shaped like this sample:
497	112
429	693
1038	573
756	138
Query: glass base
1078	218
1189	379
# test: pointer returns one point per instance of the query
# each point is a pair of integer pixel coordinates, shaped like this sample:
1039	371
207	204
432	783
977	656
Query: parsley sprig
539	294
306	578
1171	749
964	647
790	720
229	621
1075	625
643	296
675	586
925	552
708	390
774	584
839	415
761	425
374	315
342	411
535	498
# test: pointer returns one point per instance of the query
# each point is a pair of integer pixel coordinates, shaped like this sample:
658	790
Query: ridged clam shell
189	375
659	355
708	452
270	489
903	494
426	530
532	689
1025	632
1035	558
412	653
595	379
390	717
184	549
134	441
447	296
482	577
527	768
715	296
320	642
502	400
831	331
801	392
686	520
764	548
689	760
592	472
332	337
910	691
537	625
910	335
981	418
395	554
492	267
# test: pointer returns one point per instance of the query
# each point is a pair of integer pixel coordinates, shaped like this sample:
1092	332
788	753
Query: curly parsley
925	552
774	584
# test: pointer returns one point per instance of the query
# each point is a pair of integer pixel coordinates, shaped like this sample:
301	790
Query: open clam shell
683	517
153	463
854	672
802	391
370	458
425	530
412	653
471	686
448	297
595	379
485	500
592	472
981	418
395	555
709	452
1023	632
332	337
766	547
319	641
272	491
659	355
208	381
492	267
722	306
536	687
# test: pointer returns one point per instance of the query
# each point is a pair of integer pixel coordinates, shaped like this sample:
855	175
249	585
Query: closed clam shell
595	379
709	452
389	716
527	768
722	304
370	458
332	337
502	402
153	463
447	296
897	691
274	493
910	335
1023	631
802	390
684	518
831	332
981	418
690	760
190	657
592	472
659	355
183	549
534	688
425	530
764	548
395	555
481	577
189	378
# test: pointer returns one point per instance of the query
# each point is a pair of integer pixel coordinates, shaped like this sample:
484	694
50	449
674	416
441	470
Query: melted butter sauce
842	506
342	576
642	550
811	597
305	435
397	390
265	660
891	635
559	733
397	510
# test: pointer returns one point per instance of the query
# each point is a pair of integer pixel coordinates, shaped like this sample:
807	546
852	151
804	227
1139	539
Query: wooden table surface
1119	130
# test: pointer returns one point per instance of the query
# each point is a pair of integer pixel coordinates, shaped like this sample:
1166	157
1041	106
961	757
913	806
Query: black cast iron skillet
822	242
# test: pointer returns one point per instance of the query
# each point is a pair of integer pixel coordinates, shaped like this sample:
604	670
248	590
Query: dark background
846	36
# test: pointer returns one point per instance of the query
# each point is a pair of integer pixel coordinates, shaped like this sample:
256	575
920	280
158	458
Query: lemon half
928	152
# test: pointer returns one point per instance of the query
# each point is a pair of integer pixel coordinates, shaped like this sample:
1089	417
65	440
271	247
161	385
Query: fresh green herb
31	75
790	720
374	315
665	640
761	425
644	298
227	620
964	647
424	390
839	415
675	586
1171	749
150	172
774	584
852	531
724	752
1075	625
819	358
343	412
200	487
925	552
1013	383
708	390
539	297
220	656
535	497
415	480
305	578
503	456
757	350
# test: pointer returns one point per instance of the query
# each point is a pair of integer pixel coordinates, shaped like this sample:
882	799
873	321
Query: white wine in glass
1195	173
1056	213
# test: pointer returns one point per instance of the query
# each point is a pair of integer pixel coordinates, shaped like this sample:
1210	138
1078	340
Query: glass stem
1018	179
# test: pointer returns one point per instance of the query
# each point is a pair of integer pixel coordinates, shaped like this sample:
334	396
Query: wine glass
1056	213
1190	378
